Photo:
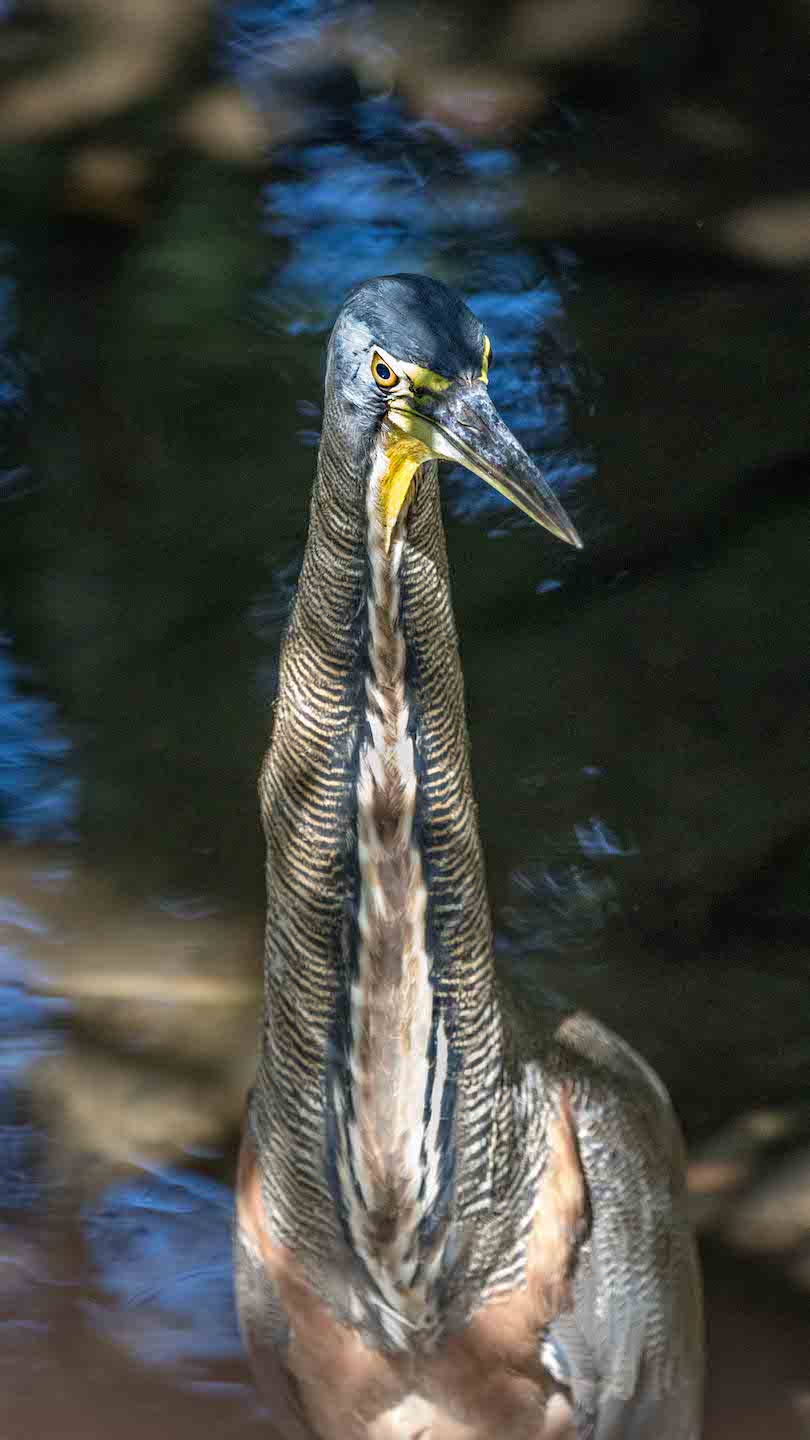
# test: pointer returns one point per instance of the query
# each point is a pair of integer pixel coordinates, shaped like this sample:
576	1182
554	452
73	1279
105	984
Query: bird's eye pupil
386	378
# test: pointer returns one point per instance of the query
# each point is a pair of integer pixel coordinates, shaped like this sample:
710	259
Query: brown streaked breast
485	1380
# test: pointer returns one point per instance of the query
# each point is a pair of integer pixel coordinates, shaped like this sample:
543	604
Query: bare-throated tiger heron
445	1230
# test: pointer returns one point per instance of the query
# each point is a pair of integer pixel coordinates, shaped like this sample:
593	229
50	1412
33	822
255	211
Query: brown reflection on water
129	1037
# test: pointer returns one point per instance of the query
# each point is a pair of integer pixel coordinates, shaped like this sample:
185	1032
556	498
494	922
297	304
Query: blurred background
187	190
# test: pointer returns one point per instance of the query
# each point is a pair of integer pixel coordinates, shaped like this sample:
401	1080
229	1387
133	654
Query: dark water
638	717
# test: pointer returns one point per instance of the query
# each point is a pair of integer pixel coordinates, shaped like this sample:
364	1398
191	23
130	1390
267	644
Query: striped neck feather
384	1104
390	1099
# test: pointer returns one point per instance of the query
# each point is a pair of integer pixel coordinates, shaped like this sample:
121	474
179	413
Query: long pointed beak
461	424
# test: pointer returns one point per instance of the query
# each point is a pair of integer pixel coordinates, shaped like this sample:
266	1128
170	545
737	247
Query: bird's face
417	363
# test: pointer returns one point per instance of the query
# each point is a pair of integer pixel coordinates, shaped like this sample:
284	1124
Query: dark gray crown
417	319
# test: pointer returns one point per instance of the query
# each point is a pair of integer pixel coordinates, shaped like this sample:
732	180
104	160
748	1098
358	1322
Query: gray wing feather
632	1345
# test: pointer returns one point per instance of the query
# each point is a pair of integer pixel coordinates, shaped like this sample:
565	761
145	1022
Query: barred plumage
440	1218
324	870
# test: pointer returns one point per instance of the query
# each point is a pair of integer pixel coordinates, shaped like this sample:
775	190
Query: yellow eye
383	373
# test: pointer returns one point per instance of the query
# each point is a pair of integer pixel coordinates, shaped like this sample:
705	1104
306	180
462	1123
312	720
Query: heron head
410	363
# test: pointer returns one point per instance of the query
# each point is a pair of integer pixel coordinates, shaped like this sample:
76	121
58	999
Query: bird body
442	1226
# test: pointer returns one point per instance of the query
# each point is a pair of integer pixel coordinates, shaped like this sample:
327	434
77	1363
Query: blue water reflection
161	1251
12	379
38	799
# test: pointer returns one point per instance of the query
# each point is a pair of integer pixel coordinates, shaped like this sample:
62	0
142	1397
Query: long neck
383	1055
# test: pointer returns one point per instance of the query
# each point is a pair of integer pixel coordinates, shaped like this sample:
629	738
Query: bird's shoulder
566	1049
630	1347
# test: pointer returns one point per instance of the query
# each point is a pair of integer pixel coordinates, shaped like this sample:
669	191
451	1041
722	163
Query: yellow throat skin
404	454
